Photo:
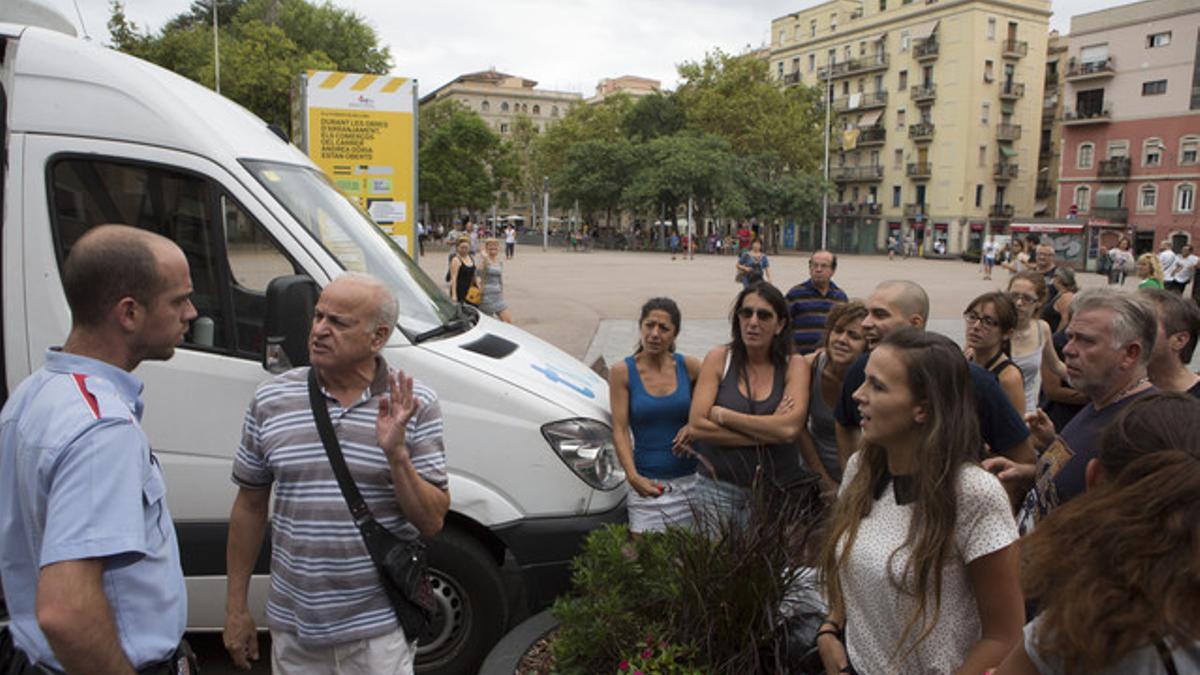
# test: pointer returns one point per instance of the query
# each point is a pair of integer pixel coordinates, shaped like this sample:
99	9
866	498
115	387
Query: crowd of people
1025	502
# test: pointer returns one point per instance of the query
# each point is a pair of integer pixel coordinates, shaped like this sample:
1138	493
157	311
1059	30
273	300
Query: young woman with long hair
1032	349
753	266
919	565
462	270
491	271
990	320
844	343
1116	572
750	404
650	393
1058	312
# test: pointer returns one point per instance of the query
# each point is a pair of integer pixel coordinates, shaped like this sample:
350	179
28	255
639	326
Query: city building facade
1049	149
1131	124
632	85
500	98
935	115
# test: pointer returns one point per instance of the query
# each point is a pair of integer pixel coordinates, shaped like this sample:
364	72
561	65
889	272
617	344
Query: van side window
192	211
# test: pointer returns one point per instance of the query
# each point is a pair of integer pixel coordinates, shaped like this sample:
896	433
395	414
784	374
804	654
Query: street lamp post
825	186
545	212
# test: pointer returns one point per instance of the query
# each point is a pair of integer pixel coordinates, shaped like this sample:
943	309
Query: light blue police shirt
77	481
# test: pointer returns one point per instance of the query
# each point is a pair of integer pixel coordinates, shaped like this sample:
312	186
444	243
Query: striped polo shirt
324	586
808	308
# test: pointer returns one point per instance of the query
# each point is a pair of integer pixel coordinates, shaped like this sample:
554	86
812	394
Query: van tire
473	606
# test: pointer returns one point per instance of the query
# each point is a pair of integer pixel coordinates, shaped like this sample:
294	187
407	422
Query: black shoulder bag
401	564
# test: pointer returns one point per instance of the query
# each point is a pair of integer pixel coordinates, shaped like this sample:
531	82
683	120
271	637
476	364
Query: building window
812	62
485	106
900	118
1189	149
1158	40
978	196
782	36
904	41
1083	198
1152	150
991	29
846	53
862	48
1147	198
780	69
883	5
985	111
504	127
989	71
1154	87
898	159
554	111
832	22
812	28
903	80
845	88
1185	197
504	107
895	195
1117	149
537	109
1085	156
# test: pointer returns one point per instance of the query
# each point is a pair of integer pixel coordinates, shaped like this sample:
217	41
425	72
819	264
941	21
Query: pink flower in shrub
624	665
647	654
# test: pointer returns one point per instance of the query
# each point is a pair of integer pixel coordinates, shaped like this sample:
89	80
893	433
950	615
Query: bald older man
894	305
327	609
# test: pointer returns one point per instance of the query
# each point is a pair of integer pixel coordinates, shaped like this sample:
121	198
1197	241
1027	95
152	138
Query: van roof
67	86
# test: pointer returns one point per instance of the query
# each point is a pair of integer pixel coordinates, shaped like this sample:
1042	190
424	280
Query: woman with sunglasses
749	406
990	320
1032	349
919	564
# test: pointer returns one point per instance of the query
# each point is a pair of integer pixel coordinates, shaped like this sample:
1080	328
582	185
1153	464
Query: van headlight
587	448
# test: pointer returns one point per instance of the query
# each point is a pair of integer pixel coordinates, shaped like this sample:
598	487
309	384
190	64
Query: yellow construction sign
361	131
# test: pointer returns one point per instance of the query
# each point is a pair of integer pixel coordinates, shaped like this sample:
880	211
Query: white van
94	136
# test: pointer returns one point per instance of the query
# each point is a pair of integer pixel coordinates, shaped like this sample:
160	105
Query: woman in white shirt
919	568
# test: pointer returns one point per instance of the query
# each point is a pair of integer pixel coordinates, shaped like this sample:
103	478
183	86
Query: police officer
88	555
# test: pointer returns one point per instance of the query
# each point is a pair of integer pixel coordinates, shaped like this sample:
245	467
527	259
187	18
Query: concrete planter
508	652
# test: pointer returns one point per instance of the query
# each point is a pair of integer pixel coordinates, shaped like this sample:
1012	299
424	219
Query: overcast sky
563	44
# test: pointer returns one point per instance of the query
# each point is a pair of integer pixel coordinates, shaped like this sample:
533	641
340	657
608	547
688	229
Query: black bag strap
358	507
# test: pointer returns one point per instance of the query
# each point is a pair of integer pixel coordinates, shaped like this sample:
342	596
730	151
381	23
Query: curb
506	655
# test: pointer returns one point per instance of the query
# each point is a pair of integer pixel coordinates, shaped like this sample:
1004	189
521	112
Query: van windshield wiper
459	323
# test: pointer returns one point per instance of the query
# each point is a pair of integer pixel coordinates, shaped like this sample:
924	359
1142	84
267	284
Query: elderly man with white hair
327	609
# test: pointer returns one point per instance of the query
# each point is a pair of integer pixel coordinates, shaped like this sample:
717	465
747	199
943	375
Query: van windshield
355	241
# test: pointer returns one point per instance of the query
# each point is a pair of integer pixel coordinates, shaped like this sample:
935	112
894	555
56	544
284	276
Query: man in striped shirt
809	302
327	609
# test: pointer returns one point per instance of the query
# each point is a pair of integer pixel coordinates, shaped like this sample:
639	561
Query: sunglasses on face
763	314
972	318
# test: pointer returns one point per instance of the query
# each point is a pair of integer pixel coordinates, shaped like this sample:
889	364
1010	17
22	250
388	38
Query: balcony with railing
914	210
927	50
1118	214
856	174
921	132
1014	49
919	170
1114	168
1008	132
1002	211
923	93
1091	115
1005	171
1011	91
1045	188
791	78
857	66
866	101
874	135
1088	70
1051	80
854	209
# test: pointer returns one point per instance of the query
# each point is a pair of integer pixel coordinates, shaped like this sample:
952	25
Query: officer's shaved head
108	263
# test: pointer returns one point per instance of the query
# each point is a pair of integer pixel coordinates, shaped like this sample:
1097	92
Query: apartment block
499	98
630	85
935	115
1131	124
1050	147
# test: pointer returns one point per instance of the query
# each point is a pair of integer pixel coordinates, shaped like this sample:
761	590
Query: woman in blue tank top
650	394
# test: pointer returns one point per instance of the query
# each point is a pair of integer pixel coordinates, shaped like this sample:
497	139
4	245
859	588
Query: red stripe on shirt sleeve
81	384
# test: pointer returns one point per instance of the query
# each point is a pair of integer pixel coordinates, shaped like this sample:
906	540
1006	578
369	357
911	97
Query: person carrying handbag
361	547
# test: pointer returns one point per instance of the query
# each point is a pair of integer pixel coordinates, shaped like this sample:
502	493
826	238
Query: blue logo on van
566	379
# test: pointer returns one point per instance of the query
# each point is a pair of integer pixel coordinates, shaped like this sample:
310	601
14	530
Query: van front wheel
472	606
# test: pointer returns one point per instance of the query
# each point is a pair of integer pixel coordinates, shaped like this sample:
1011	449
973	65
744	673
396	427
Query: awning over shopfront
1048	228
1040	207
870	119
1109	197
923	31
1007	150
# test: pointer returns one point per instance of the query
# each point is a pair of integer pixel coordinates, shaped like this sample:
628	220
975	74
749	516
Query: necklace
1127	390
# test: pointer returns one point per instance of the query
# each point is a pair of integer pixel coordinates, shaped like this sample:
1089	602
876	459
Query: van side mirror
290	303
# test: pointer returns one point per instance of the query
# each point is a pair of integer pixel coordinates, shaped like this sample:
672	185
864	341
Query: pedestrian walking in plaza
750	403
462	271
1182	270
990	320
1166	256
910	244
650	394
1149	270
990	249
920	578
810	302
510	242
744	235
327	609
753	266
844	342
1120	262
421	236
892	245
88	555
1031	346
491	272
1116	572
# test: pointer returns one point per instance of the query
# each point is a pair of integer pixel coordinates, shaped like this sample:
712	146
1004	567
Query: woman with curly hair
1117	571
1149	270
919	565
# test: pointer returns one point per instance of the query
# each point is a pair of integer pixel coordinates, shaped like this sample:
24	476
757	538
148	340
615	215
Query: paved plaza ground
587	303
